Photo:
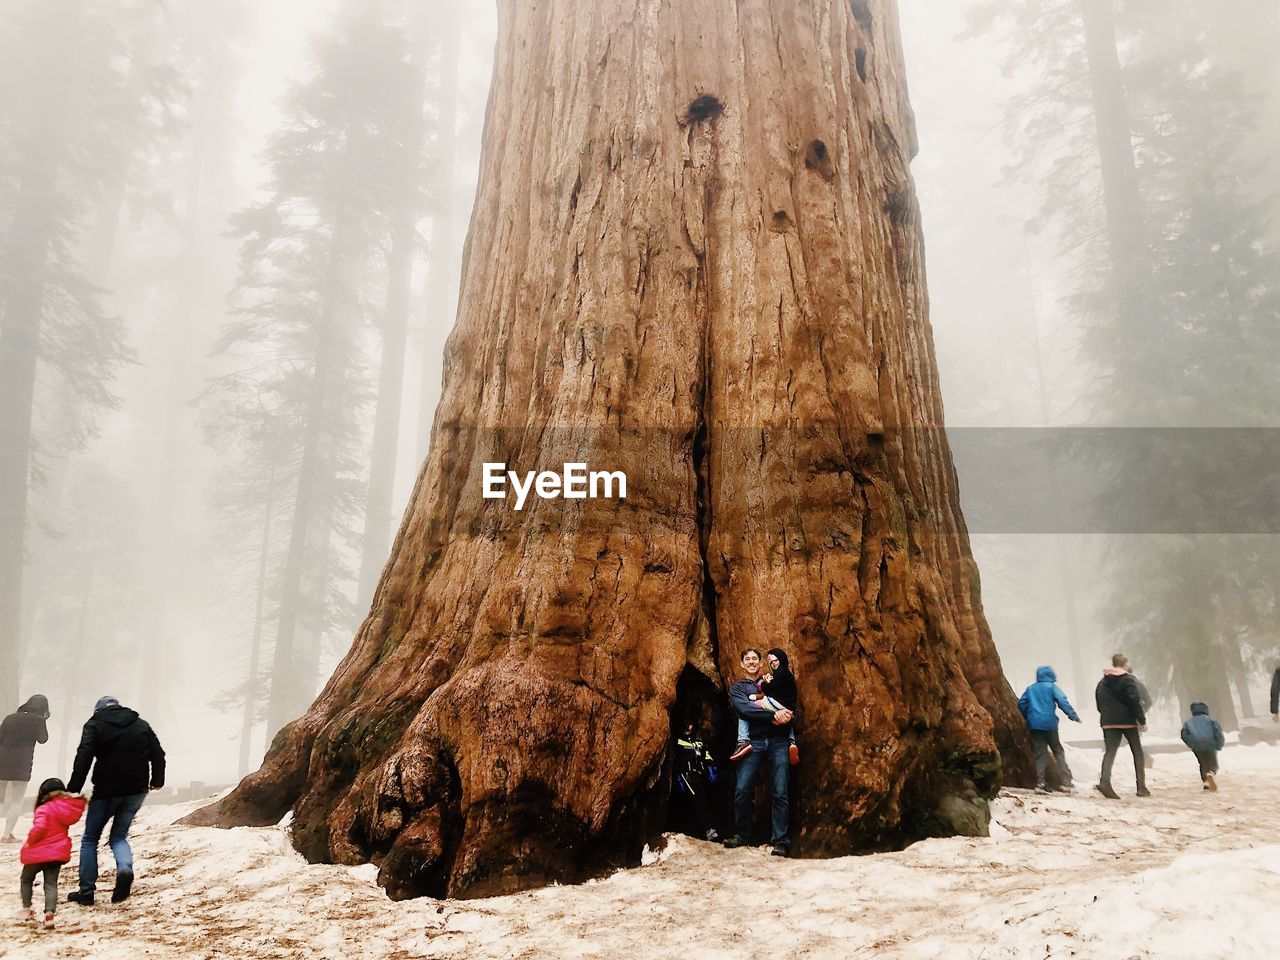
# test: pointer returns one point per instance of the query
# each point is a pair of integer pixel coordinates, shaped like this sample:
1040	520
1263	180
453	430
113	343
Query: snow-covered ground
1183	874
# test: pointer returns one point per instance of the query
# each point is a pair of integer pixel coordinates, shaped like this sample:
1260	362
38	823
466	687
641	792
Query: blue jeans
120	811
775	750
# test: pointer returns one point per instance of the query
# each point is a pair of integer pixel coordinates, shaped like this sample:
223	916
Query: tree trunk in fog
1061	544
442	278
289	692
696	258
395	334
169	472
22	294
27	248
1124	215
311	649
249	718
1239	673
73	689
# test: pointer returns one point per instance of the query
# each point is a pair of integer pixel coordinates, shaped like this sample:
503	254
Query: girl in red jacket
48	845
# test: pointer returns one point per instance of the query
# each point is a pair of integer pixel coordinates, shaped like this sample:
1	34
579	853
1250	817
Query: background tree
406	136
298	347
97	552
92	98
1158	209
728	305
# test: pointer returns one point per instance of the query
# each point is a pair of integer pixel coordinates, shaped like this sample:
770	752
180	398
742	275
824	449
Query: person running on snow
777	691
1204	736
129	759
48	846
1039	704
19	734
1122	716
770	735
694	774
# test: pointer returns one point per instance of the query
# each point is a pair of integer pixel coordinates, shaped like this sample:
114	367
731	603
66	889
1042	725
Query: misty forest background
231	241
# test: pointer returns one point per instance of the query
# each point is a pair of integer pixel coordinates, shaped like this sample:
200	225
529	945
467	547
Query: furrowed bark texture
695	257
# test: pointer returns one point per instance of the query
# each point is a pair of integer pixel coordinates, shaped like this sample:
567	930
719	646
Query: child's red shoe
744	747
793	755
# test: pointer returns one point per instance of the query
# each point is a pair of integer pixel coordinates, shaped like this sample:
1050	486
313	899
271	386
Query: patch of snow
1184	874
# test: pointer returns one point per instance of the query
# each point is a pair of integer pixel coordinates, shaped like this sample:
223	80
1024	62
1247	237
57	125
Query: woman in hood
19	734
780	686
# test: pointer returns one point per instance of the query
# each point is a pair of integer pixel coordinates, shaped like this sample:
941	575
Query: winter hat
104	702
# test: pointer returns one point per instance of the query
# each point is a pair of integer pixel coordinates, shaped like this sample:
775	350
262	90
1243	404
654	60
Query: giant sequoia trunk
695	257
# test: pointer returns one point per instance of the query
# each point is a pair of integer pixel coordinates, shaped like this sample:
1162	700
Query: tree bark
695	257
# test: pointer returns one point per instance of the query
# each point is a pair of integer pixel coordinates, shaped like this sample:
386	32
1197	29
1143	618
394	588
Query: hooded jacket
759	719
50	840
1119	699
1202	733
1041	701
783	685
19	734
129	757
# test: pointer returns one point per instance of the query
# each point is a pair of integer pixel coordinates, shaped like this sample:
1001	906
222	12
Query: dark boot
1106	791
124	884
80	897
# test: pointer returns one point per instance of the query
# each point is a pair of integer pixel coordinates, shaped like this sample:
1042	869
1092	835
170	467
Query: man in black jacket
770	736
128	761
1275	696
1122	715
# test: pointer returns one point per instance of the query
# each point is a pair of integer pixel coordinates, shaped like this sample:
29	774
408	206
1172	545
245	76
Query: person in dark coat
694	773
127	760
1204	736
1040	704
1122	716
780	685
19	734
1275	696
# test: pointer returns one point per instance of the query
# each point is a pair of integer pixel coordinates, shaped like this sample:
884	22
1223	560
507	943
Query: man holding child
769	733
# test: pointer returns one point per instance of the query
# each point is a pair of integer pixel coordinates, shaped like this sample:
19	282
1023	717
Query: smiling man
770	737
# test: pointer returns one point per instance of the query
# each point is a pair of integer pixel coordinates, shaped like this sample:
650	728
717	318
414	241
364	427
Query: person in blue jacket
1204	736
1039	704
